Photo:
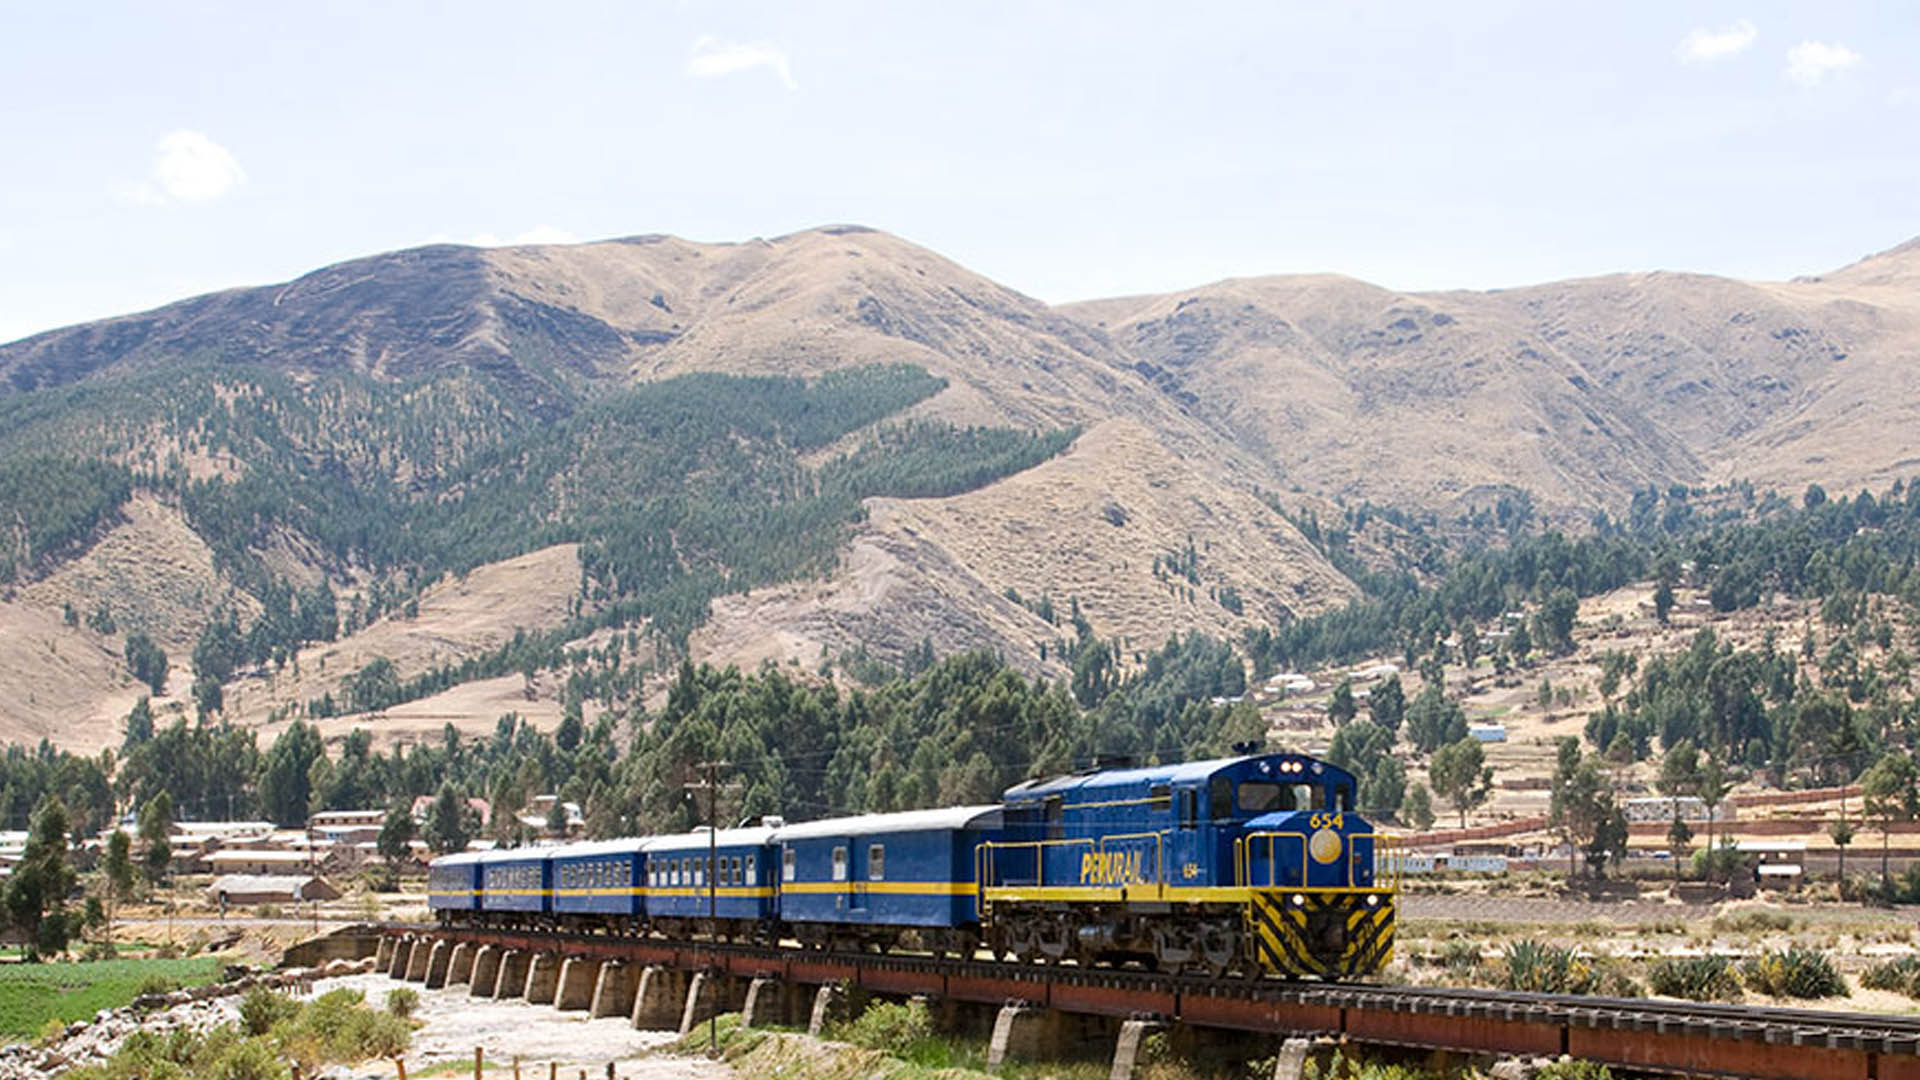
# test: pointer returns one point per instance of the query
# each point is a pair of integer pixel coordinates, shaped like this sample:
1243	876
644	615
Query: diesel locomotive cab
1249	864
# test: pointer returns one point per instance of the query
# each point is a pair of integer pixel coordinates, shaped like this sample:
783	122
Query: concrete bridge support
709	994
460	966
486	971
832	1004
383	953
578	976
613	990
771	1001
397	963
512	981
1128	1051
660	999
1025	1033
439	958
1296	1052
543	978
418	958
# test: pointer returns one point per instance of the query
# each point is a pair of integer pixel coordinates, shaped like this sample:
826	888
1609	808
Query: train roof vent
773	821
1103	762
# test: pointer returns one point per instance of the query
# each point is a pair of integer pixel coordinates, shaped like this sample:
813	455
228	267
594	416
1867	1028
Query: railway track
1676	1037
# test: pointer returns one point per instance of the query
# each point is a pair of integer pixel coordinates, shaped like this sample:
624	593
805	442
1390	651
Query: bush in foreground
1901	975
1696	978
1794	972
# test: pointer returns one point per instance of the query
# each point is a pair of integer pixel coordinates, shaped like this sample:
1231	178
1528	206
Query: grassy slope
31	994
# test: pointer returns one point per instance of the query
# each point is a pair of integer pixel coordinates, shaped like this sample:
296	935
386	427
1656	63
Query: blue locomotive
1252	864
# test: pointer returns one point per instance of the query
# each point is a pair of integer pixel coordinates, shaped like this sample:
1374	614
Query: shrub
1574	1070
402	1001
1461	956
157	984
1546	969
889	1028
1794	972
248	1059
1901	975
373	1035
1753	921
52	1031
262	1008
1696	978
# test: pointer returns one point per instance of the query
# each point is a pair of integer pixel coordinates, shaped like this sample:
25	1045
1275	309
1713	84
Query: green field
30	994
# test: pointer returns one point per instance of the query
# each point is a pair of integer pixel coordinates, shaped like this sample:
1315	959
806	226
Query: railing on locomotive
984	877
1383	843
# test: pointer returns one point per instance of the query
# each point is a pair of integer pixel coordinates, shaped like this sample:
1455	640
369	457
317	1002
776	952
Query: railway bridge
1038	1011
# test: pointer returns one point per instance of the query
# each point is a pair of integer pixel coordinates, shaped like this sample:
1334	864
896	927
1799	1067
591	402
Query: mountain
753	444
436	485
1577	392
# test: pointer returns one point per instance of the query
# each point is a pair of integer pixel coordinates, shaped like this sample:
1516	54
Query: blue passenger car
599	882
516	885
741	890
453	886
866	878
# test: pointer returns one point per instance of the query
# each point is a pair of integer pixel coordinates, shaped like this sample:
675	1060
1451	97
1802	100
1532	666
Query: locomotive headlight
1299	900
1373	899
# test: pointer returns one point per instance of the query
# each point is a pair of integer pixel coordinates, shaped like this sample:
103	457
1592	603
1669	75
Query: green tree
117	873
396	833
1663	601
1341	707
1417	808
156	831
147	662
1890	792
1434	720
1580	804
37	890
139	725
1520	644
1460	774
1841	833
1679	842
1388	703
447	825
286	776
1556	618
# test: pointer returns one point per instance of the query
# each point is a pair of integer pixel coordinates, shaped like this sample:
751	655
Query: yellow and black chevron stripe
1328	935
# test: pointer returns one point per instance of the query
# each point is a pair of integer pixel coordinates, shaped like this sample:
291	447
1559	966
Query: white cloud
187	167
711	58
1810	62
1703	46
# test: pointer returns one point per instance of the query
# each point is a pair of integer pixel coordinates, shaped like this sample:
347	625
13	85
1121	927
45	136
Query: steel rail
1753	1042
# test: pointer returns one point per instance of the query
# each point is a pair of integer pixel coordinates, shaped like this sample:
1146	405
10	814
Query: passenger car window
876	862
753	878
839	864
786	864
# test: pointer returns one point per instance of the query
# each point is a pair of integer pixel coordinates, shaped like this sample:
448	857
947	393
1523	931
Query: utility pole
712	787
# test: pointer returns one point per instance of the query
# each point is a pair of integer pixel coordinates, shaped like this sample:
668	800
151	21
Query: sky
157	150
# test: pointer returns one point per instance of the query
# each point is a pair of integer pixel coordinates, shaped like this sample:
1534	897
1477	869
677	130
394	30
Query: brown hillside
1577	391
